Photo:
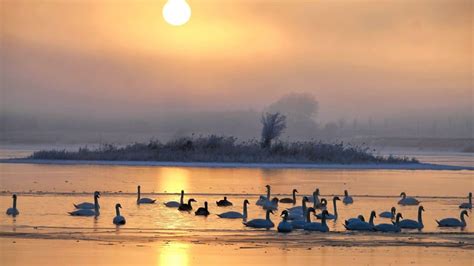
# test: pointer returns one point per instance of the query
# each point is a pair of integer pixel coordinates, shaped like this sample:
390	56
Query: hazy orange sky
120	56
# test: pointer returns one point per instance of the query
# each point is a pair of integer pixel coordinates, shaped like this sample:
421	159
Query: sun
176	12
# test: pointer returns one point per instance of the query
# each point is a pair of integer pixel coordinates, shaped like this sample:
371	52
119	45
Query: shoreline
328	166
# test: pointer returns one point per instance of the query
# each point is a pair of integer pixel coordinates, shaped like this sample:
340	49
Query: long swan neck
268	193
96	204
420	219
335	208
138	193
308	217
323	220
294	196
371	220
267	216
14	203
181	198
117	210
244	214
470	199
462	217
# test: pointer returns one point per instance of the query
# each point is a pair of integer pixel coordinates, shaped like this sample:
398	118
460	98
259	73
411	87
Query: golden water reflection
172	179
173	253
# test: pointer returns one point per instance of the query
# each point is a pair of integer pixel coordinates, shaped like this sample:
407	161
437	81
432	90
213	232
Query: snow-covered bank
387	166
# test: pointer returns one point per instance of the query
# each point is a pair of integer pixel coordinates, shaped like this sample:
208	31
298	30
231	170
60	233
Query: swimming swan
407	200
467	205
13	211
412	224
347	199
224	203
202	211
186	207
261	201
290	200
89	212
175	204
284	226
300	223
143	200
261	223
361	225
118	219
315	226
390	214
453	222
330	216
271	205
234	214
87	205
322	204
298	212
395	227
352	220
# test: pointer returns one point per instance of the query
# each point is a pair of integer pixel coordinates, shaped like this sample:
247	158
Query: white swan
330	216
118	219
234	214
322	205
453	222
143	200
13	211
202	211
300	223
271	205
290	200
412	224
395	227
467	205
388	214
298	212
89	212
284	226
87	205
315	226
407	200
175	204
262	200
361	225
347	199
261	223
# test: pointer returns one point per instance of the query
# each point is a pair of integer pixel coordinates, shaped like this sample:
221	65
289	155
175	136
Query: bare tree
273	125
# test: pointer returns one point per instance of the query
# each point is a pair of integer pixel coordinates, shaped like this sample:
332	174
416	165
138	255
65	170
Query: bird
315	198
352	220
175	204
394	227
330	216
88	212
467	205
290	200
284	226
347	199
322	204
361	225
407	200
203	211
315	226
271	205
298	212
234	214
453	222
388	214
186	207
261	223
224	202
13	211
262	199
300	223
87	205
143	200
412	224
118	219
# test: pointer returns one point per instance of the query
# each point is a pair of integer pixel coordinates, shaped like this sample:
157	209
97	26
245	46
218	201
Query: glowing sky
356	57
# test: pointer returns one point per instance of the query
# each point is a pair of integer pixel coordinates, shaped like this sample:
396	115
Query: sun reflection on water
175	179
173	253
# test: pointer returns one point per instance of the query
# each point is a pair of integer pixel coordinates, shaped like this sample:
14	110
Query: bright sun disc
176	12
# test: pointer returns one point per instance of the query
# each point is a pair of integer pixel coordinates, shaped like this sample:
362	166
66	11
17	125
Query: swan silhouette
453	222
203	211
87	205
394	227
188	206
467	205
412	224
88	212
290	200
262	200
347	199
261	223
407	200
175	204
284	226
315	226
143	200
388	214
359	225
234	214
13	211
118	219
331	216
224	202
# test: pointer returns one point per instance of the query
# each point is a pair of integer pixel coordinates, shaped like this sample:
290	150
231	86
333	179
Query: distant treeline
214	148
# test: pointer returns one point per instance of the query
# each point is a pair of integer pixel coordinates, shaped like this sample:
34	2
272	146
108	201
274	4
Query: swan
290	200
13	211
314	197
175	204
186	207
143	200
412	224
261	223
353	220
203	211
87	205
407	200
361	225
224	203
118	219
300	223
330	216
467	205
388	214
271	205
322	204
284	226
234	214
261	201
347	199
395	227
89	212
298	212
453	222
315	226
